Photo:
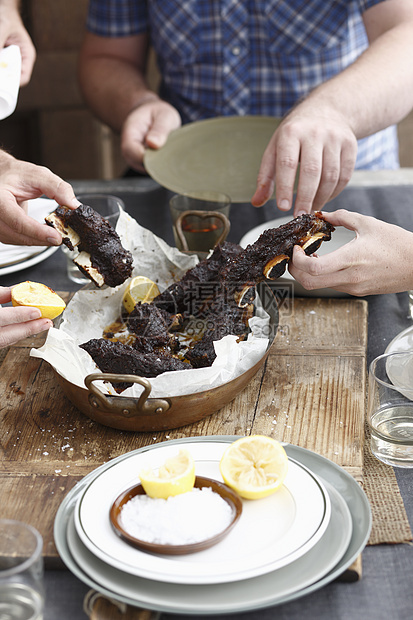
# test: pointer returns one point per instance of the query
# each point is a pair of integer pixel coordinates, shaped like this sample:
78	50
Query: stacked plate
17	257
283	547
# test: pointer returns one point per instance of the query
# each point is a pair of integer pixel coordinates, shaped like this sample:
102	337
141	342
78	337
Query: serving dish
232	499
155	414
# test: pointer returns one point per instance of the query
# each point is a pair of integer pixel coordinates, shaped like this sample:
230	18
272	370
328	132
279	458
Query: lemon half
40	296
254	466
175	476
139	289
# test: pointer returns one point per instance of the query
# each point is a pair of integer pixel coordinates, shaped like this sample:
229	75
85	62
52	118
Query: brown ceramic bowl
165	549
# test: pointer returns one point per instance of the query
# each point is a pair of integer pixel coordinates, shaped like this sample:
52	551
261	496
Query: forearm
112	84
376	90
10	4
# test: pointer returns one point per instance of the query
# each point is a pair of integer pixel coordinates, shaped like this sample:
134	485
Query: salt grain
179	520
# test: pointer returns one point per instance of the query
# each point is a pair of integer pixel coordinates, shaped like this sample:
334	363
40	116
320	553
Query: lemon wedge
254	466
139	289
175	476
40	296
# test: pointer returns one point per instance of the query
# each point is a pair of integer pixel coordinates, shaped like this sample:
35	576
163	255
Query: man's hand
147	126
13	32
21	181
378	260
320	145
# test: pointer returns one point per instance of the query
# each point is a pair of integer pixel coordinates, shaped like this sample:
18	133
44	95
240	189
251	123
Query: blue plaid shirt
235	57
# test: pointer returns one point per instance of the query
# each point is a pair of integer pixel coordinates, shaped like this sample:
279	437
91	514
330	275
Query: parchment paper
90	311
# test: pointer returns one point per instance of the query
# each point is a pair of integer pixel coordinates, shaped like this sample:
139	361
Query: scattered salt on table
179	520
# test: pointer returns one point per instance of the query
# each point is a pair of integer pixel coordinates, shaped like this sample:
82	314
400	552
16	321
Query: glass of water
390	408
21	571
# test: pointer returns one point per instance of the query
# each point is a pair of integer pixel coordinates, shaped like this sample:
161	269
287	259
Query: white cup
10	71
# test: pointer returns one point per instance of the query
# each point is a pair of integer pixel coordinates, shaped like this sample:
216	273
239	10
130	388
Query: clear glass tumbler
21	571
390	408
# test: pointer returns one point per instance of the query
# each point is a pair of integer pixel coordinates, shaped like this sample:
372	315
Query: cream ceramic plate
270	533
339	237
17	257
221	154
341	544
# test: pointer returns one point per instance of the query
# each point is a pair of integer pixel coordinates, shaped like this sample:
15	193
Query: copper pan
157	414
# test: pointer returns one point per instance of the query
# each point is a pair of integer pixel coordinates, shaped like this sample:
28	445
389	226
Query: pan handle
123	405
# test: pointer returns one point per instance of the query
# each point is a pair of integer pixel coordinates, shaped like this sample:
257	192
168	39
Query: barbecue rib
229	320
151	327
198	284
102	258
119	358
268	257
226	303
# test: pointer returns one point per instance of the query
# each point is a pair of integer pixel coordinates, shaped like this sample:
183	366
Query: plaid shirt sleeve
117	18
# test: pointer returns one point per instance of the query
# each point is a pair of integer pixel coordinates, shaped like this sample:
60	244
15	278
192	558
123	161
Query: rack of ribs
267	258
199	284
228	310
124	359
224	289
101	256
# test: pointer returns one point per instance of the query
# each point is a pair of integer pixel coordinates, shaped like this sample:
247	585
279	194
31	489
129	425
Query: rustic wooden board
311	392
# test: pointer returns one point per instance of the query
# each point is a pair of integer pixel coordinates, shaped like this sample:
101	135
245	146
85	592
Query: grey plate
221	154
243	596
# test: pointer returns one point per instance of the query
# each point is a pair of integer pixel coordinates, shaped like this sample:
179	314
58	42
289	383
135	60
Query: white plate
339	237
17	257
219	598
242	595
271	533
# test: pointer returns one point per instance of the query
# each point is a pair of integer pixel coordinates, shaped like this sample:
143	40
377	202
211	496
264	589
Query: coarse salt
179	520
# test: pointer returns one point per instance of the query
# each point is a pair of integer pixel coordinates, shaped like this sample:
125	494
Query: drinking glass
410	312
200	221
108	206
21	571
390	408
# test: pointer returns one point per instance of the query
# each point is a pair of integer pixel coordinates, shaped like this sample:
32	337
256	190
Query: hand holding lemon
36	295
